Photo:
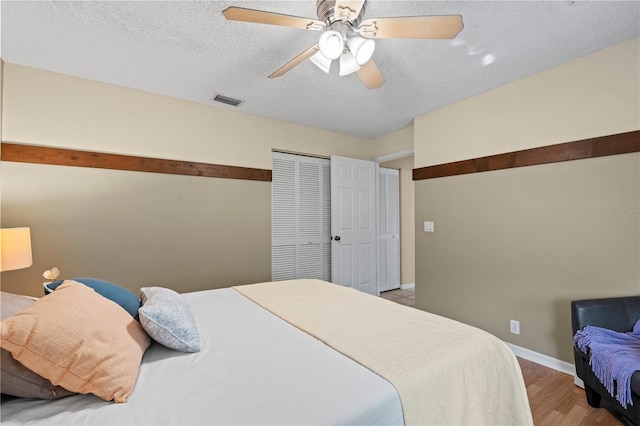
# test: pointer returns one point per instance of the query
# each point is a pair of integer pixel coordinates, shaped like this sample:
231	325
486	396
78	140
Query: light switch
428	227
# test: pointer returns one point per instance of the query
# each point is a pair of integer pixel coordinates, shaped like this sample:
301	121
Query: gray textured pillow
11	304
16	379
167	319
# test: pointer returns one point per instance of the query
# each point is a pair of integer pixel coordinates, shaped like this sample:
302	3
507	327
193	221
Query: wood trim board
70	157
621	143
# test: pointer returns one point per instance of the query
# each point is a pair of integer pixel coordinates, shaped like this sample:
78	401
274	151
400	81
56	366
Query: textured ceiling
187	50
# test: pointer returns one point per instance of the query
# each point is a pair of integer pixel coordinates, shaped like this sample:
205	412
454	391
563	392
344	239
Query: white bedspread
446	372
253	368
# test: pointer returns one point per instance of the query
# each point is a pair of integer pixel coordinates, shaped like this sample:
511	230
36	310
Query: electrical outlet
515	326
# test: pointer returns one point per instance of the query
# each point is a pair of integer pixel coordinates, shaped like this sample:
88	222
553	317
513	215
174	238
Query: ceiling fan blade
370	75
262	17
295	61
348	8
443	26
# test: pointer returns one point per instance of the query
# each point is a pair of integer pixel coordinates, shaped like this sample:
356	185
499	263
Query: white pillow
167	319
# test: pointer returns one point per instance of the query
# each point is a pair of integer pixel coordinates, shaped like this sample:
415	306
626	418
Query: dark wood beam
622	143
70	157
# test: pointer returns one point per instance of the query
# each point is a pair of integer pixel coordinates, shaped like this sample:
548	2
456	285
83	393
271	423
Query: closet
300	217
301	221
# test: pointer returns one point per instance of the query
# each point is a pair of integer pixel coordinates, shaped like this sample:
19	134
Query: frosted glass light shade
321	61
331	44
362	49
348	64
15	248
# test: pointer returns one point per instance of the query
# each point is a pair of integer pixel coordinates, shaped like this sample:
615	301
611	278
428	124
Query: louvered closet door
325	239
284	252
388	229
300	217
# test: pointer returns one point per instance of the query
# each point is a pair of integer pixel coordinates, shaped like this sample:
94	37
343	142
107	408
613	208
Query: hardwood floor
404	297
555	400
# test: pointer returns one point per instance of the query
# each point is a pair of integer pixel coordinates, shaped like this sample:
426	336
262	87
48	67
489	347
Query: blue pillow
114	292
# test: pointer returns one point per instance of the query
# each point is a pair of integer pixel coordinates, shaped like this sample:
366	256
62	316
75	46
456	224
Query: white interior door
353	223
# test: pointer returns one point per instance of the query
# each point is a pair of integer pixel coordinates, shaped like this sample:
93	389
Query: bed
308	352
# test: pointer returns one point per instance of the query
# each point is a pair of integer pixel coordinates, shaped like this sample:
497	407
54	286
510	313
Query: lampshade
348	64
362	49
331	44
15	248
321	61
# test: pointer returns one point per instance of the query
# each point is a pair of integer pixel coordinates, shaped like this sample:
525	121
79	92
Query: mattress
253	368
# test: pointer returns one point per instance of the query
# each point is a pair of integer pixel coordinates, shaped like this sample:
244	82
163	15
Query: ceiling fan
348	37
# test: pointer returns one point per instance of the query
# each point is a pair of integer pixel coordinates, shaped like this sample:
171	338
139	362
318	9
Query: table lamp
15	249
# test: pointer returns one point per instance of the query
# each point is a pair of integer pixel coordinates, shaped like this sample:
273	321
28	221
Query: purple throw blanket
614	357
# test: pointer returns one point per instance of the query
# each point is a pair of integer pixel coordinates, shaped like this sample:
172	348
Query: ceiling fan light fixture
321	61
362	49
331	44
348	64
348	36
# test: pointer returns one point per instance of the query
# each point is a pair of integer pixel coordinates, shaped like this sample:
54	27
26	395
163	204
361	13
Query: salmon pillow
79	340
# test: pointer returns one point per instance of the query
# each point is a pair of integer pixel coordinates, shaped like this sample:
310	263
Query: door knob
337	238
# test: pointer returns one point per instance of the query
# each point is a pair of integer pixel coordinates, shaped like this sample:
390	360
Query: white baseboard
408	285
543	359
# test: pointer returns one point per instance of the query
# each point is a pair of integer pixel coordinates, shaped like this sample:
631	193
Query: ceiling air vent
227	100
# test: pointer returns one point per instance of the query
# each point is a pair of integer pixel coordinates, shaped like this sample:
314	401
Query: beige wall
1	84
52	109
134	228
592	96
522	243
138	229
400	140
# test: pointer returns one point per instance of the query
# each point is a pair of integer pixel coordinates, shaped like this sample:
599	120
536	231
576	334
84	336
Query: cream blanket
445	372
